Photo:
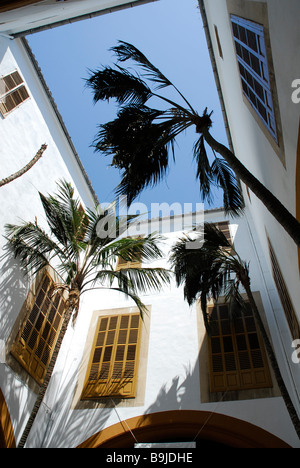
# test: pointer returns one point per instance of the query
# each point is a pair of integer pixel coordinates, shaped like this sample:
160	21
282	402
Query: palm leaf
206	273
204	173
140	139
33	246
119	84
126	51
225	178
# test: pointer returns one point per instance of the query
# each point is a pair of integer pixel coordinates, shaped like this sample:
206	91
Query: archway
7	438
204	427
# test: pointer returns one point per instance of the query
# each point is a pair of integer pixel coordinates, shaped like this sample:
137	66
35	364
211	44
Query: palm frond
204	173
140	140
126	51
133	249
32	246
208	272
66	218
225	178
138	302
120	84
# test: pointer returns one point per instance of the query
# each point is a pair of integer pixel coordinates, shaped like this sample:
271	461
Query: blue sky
170	34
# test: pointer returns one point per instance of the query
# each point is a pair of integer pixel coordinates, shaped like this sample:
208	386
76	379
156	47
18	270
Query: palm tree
217	269
82	260
140	138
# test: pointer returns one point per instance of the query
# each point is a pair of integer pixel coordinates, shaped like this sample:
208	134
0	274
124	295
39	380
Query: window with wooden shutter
237	358
113	365
284	296
12	92
124	264
37	337
223	226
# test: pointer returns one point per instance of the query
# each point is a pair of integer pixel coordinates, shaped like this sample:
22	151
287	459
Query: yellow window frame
237	358
114	359
36	339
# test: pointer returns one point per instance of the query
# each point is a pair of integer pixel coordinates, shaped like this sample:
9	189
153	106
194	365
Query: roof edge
58	115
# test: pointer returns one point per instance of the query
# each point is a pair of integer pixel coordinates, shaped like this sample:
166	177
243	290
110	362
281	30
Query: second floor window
38	334
113	366
12	92
237	357
253	65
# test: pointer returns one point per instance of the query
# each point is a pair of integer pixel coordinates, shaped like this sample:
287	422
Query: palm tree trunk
269	348
26	168
73	305
280	213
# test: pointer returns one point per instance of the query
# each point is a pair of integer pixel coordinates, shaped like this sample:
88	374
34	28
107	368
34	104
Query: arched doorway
171	426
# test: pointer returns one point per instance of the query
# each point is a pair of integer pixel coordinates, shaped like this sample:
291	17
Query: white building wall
22	132
174	365
251	144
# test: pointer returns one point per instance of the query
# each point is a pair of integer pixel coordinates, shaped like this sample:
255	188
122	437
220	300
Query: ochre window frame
124	264
114	359
283	293
37	336
237	358
13	92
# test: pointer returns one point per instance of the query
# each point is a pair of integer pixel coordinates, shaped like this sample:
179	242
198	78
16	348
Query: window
224	228
36	339
252	60
284	295
237	358
113	365
12	92
124	264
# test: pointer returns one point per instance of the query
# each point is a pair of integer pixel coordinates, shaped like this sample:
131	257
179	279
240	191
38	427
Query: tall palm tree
140	138
216	269
82	260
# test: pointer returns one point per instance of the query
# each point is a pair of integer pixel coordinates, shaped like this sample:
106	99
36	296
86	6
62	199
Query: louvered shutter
113	365
12	92
35	342
284	296
237	357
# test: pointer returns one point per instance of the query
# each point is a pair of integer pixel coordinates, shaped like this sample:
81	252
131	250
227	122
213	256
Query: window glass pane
251	36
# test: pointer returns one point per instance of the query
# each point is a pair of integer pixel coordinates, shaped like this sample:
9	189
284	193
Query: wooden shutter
12	92
37	337
114	359
236	353
223	226
284	296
